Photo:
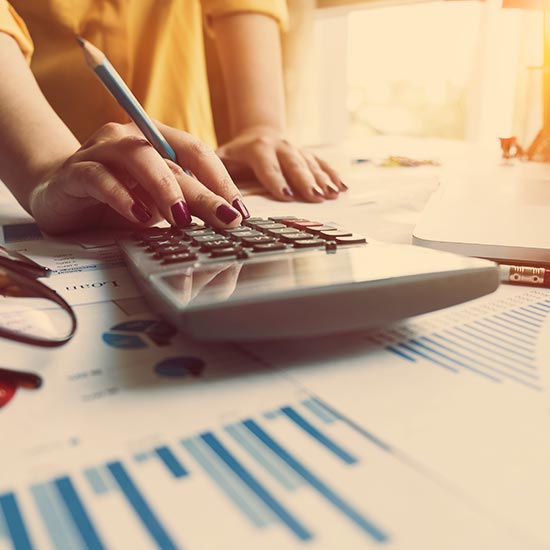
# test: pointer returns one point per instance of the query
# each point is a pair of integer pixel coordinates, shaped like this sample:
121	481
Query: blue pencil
108	75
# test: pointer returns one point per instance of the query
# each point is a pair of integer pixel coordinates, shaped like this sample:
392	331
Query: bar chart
498	343
291	476
69	524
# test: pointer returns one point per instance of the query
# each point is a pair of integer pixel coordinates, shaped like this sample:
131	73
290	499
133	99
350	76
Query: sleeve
273	8
12	24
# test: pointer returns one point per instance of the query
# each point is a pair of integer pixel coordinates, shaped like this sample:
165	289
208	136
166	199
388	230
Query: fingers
287	172
204	203
140	168
135	157
322	178
98	184
331	173
267	170
205	165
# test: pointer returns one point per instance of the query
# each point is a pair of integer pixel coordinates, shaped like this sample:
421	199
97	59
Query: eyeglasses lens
27	312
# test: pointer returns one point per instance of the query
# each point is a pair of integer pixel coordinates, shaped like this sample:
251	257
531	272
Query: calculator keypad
256	236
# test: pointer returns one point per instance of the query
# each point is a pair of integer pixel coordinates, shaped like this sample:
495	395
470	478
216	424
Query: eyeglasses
30	311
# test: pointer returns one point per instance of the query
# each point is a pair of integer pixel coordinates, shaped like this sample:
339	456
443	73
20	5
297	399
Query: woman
69	181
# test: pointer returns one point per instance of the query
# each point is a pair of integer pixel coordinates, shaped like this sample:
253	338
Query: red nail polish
27	380
226	214
7	391
181	214
238	204
140	212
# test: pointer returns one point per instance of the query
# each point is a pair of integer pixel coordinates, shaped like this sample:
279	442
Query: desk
395	438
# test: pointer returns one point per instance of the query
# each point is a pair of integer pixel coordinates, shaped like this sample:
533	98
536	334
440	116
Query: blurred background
461	70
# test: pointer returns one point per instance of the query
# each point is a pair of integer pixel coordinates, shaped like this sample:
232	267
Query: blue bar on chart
4	534
141	508
142	457
272	464
171	462
319	410
366	525
56	518
97	480
14	523
79	514
286	517
231	485
316	434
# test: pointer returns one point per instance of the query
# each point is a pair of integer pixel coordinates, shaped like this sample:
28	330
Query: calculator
286	277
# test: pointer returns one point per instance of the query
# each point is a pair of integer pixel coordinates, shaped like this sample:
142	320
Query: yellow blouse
156	45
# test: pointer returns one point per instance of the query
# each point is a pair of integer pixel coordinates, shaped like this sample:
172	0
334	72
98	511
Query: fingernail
288	192
318	191
333	187
226	214
342	184
181	214
140	213
238	204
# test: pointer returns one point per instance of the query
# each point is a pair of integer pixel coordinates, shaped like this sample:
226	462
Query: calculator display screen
240	281
285	274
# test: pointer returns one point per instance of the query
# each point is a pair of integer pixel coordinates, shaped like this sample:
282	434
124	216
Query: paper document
80	274
464	391
142	440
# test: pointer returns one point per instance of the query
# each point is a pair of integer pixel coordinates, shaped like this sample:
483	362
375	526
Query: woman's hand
118	179
286	171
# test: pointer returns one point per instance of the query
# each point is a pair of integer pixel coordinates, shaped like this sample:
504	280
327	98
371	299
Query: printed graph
496	341
70	520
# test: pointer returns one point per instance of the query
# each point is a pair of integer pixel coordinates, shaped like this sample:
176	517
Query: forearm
249	50
33	139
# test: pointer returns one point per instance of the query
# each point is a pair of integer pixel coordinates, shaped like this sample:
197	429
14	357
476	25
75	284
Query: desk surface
429	434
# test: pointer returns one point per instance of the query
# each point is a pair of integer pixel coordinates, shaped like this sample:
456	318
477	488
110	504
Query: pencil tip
80	40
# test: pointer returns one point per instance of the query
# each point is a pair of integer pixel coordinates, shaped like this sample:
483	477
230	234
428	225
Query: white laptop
503	214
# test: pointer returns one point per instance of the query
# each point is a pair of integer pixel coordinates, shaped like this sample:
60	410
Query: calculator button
224	252
351	239
282	219
268	247
178	258
154	245
331	247
308	243
251	222
211	245
162	251
269	225
304	224
276	232
334	234
316	230
247	234
211	238
291	237
156	237
197	233
254	222
251	241
235	231
154	232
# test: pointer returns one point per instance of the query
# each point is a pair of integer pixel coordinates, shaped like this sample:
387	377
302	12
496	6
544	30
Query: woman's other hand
286	171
